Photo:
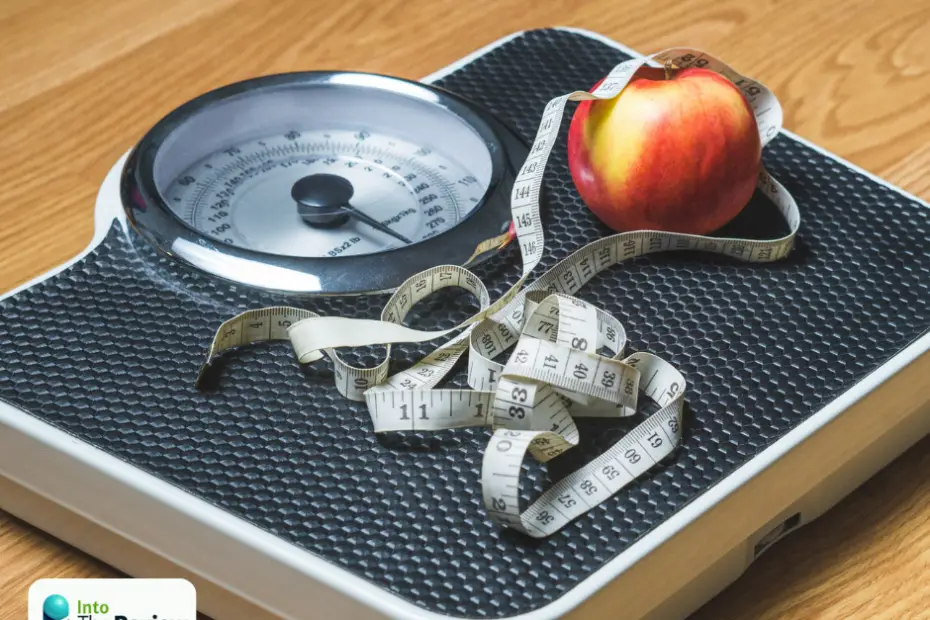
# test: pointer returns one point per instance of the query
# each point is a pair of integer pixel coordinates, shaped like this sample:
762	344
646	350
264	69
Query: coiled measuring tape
557	368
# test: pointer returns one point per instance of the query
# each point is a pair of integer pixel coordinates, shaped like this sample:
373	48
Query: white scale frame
146	527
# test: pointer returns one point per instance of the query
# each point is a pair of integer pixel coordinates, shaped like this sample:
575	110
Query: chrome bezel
154	220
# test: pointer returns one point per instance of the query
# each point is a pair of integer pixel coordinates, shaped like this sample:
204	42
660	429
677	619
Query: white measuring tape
556	369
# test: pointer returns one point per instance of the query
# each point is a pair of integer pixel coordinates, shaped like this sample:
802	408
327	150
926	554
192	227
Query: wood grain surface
81	80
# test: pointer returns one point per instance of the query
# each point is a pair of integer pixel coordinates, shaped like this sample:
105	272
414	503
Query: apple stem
668	69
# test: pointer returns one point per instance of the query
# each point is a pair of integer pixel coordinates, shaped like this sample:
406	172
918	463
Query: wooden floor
81	80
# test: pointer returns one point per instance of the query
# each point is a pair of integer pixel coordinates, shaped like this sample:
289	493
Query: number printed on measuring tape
565	358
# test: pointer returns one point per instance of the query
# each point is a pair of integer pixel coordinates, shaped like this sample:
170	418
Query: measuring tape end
206	377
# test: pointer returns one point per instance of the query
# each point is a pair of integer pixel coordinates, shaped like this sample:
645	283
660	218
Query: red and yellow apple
677	150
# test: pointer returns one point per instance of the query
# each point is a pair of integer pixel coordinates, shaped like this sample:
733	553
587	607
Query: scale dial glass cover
242	195
322	182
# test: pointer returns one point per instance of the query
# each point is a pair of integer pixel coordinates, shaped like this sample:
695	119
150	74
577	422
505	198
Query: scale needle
323	200
375	223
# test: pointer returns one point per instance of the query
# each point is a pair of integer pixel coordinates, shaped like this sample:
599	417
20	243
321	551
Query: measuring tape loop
312	335
566	356
261	325
582	490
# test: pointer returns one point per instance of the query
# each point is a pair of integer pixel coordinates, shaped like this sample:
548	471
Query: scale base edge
825	467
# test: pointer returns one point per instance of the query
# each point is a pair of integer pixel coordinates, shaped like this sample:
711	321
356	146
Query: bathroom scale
258	477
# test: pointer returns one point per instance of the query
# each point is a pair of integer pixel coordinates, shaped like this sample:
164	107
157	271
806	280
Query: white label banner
112	599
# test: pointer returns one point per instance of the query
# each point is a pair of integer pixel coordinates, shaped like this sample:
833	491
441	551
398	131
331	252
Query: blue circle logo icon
55	607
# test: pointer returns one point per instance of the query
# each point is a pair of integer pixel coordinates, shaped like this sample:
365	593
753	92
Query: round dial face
329	183
253	194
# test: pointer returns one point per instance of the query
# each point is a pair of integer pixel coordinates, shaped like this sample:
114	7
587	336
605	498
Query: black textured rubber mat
109	349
